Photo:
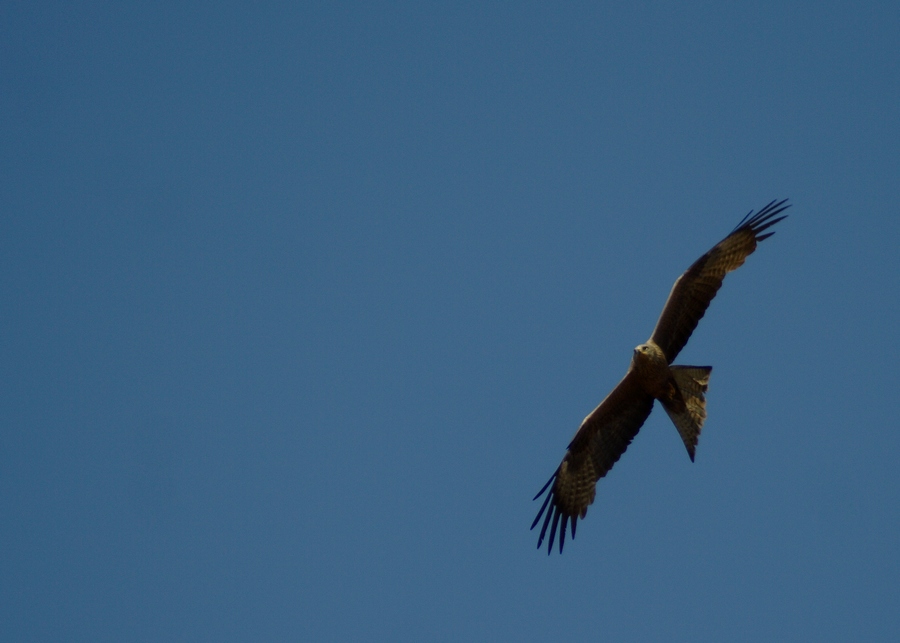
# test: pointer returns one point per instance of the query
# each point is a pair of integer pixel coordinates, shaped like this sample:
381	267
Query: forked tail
688	417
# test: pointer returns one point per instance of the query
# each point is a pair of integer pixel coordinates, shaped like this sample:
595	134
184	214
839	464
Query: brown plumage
605	434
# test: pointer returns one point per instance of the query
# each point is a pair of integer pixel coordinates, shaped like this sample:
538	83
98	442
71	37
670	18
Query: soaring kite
609	429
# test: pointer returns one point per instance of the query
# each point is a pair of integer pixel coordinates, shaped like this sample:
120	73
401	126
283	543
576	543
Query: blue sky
301	304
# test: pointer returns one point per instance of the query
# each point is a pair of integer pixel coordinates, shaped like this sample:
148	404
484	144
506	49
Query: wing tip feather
763	219
553	528
544	529
551	513
547	484
543	506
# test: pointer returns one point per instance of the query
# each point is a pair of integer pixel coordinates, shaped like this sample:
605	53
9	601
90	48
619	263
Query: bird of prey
605	434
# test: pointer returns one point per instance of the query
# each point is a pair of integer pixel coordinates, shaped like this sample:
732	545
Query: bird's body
605	434
652	369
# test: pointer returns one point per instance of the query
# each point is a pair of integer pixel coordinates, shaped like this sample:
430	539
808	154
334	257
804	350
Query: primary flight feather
605	434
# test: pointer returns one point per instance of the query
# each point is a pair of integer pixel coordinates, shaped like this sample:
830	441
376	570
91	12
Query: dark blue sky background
301	304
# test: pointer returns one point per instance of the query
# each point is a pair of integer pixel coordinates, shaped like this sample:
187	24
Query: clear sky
302	303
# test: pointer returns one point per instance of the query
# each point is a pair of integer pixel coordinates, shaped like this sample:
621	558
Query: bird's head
649	353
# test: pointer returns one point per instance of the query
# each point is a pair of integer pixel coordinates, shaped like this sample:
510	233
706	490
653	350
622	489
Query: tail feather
692	382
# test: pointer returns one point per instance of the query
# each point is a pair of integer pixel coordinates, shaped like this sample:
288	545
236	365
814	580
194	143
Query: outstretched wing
694	289
600	441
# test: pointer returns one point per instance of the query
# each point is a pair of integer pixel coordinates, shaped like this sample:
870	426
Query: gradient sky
302	302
